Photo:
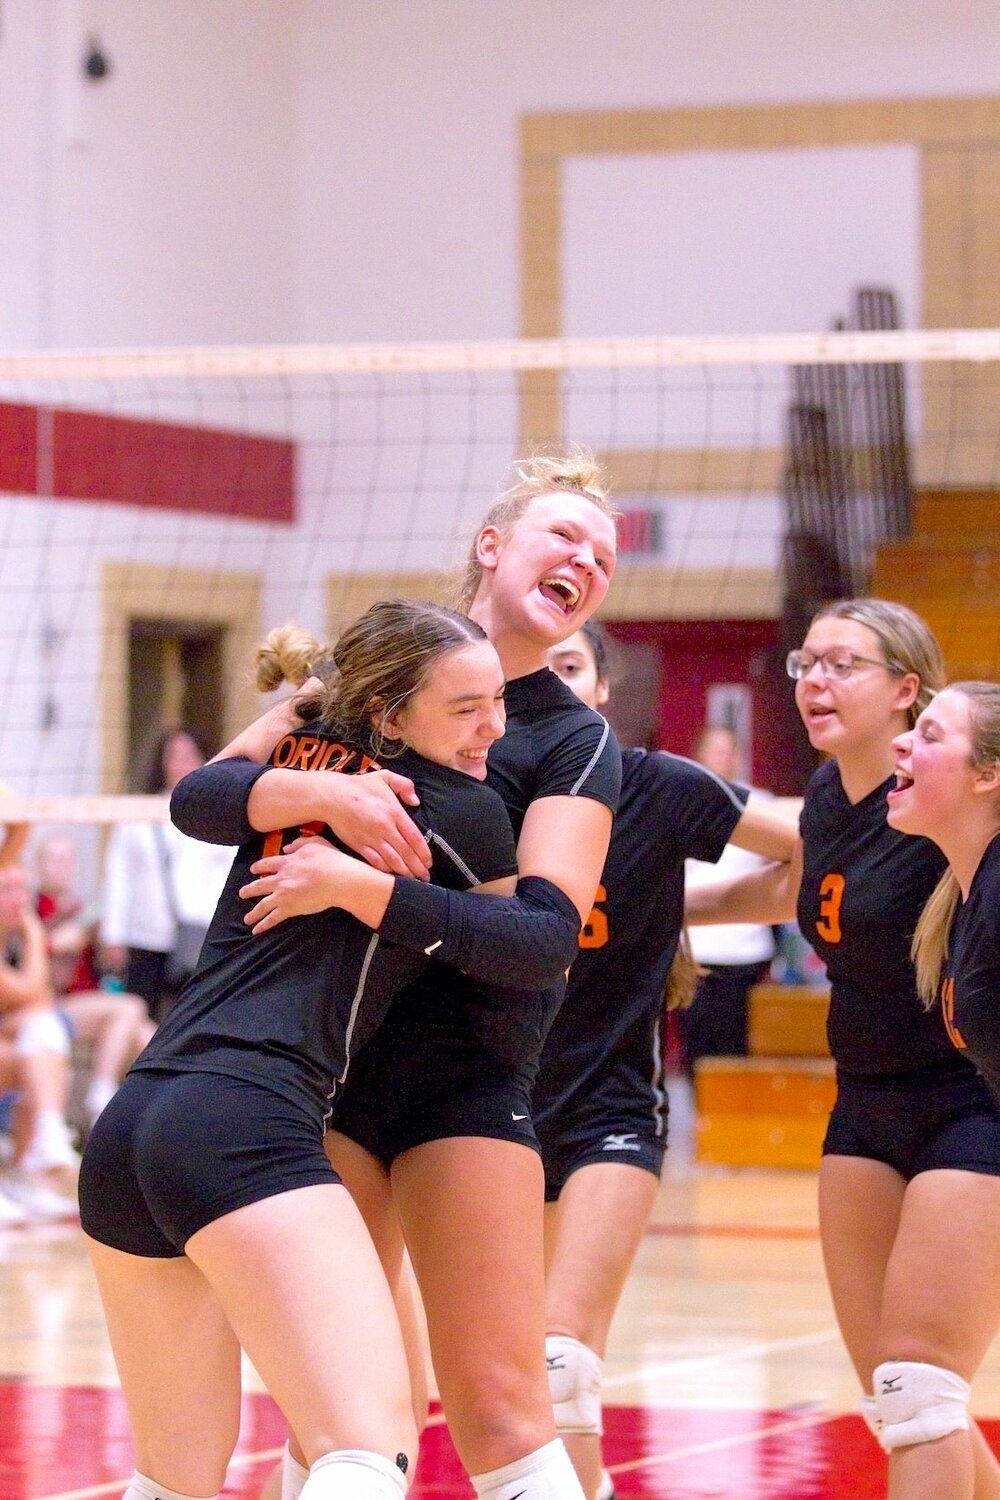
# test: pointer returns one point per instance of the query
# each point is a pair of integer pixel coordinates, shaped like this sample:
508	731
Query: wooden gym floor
725	1376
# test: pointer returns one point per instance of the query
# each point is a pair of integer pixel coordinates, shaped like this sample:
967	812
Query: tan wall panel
348	595
959	140
647	592
639	592
132	590
713	470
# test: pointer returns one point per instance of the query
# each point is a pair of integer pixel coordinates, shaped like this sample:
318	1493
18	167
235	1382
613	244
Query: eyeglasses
837	664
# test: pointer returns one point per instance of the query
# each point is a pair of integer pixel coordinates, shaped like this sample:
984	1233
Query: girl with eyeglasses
908	1181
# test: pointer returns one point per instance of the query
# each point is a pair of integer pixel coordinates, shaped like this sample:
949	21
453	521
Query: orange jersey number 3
831	891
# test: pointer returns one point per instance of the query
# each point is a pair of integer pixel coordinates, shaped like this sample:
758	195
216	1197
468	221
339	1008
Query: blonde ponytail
929	948
685	971
287	654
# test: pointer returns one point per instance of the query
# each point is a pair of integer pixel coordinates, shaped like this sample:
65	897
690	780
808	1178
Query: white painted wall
158	205
273	170
347	169
409	225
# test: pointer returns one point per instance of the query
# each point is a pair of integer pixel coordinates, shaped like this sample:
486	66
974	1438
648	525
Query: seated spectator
158	881
34	1065
70	931
112	1026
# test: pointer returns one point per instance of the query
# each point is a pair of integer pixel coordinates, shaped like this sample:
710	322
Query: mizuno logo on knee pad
919	1403
574	1384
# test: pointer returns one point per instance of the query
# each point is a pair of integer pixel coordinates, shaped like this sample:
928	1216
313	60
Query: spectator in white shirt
156	878
736	955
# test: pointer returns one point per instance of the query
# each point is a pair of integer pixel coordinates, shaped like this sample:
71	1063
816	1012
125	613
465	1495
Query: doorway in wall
175	678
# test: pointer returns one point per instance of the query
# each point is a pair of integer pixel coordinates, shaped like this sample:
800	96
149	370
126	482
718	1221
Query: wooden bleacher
769	1109
949	572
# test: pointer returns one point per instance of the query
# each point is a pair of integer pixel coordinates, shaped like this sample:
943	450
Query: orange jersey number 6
831	890
594	933
948	1011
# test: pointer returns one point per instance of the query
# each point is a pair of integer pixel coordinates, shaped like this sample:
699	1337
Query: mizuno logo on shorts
629	1141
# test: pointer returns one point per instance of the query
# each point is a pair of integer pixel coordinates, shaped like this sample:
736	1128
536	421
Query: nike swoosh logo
517	1117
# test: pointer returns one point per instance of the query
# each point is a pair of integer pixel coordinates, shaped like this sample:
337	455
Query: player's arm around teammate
471	1204
213	1217
470	1197
225	802
598	1096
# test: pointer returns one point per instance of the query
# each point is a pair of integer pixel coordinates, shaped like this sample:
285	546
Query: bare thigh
471	1209
179	1365
303	1288
860	1202
942	1286
592	1234
368	1183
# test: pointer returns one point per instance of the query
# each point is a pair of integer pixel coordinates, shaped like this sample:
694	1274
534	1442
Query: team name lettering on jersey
948	1011
307	752
594	932
831	891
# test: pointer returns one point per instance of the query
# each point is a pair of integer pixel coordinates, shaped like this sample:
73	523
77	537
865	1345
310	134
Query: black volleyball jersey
288	1007
671	810
863	888
553	746
970	989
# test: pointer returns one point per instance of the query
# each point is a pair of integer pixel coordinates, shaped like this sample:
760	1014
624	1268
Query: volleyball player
214	1217
948	789
909	1202
599	1104
434	1129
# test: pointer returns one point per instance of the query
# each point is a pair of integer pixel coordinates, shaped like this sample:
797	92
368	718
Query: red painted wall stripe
18	437
161	465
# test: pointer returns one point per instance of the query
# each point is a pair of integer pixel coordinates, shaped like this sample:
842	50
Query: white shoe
51	1149
35	1198
11	1213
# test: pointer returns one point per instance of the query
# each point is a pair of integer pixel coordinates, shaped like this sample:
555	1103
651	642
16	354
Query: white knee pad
354	1474
574	1384
919	1403
545	1474
41	1031
870	1416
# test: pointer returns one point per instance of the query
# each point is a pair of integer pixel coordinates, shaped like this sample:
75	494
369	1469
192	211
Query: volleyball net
161	509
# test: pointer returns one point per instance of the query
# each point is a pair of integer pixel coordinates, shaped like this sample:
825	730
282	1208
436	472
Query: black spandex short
401	1094
172	1152
596	1133
917	1125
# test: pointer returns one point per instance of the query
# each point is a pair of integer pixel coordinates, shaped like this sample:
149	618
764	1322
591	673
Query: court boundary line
630	1377
716	1445
723	1356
